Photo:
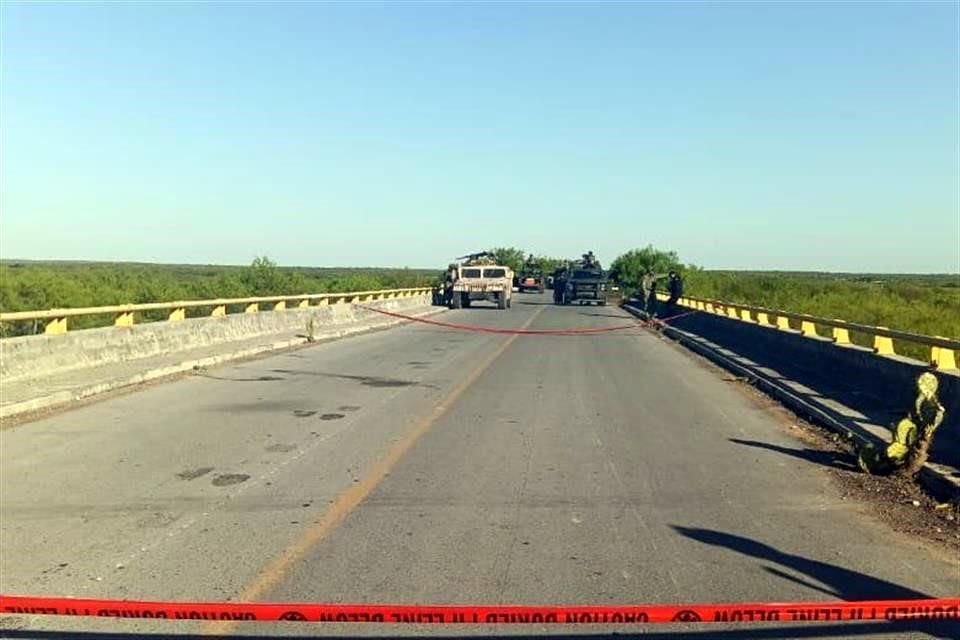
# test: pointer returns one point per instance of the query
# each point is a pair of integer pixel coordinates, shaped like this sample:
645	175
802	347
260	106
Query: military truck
584	282
479	277
531	277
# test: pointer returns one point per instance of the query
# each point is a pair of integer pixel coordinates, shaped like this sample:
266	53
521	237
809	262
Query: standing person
449	279
559	286
646	284
675	285
651	302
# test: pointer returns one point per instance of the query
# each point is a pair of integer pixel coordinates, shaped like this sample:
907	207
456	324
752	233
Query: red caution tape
523	332
891	610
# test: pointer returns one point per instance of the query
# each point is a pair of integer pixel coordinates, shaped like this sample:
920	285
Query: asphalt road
424	465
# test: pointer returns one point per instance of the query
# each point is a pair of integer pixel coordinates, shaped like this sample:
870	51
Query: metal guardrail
56	319
942	350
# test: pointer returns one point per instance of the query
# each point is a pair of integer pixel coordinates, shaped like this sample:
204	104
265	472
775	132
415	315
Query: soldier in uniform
647	284
449	278
559	285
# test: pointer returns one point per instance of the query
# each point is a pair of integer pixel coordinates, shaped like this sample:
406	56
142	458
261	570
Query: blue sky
818	136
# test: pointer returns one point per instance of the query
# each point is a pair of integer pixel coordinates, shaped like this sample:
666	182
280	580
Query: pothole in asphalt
331	416
193	474
226	479
303	413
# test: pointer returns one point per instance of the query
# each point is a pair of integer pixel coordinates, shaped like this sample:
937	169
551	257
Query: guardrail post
177	314
253	307
732	313
280	306
783	323
840	335
303	304
124	319
56	326
709	308
943	358
745	315
809	329
219	311
764	319
883	345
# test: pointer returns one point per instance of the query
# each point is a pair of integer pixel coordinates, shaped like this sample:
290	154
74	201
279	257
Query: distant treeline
927	304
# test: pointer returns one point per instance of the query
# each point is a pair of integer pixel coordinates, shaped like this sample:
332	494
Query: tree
262	278
628	269
510	257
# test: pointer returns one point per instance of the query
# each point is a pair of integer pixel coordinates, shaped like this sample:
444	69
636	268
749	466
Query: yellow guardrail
942	350
55	320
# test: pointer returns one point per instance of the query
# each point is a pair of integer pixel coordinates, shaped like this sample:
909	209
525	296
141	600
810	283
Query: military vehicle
531	277
479	277
583	281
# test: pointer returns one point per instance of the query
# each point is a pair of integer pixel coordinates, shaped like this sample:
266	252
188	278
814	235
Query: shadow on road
605	315
825	458
836	581
821	630
535	302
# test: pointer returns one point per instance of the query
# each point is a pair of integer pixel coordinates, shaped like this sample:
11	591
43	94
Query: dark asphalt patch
281	448
193	474
370	381
257	379
418	363
349	407
303	413
331	416
226	479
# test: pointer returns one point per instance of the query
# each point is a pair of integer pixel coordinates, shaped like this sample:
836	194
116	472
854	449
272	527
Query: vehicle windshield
585	275
483	317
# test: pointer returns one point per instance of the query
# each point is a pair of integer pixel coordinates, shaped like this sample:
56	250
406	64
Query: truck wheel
466	300
455	300
502	302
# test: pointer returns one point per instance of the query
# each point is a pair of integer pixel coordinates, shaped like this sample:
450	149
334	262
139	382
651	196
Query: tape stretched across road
523	332
942	609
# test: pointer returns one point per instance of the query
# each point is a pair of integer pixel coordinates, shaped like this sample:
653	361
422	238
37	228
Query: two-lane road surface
426	465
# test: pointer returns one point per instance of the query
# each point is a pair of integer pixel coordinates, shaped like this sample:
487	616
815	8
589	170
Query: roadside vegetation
927	304
29	286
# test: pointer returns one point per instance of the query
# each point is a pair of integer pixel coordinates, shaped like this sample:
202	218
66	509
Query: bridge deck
426	465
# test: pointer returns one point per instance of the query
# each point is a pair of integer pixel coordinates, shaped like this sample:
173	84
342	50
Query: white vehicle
480	278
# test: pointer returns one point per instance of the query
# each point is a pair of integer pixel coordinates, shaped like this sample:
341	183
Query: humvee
479	277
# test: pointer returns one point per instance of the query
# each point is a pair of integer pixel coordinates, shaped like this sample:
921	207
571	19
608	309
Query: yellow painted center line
271	575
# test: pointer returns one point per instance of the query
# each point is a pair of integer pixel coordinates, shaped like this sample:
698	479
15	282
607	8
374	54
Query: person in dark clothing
650	301
674	286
